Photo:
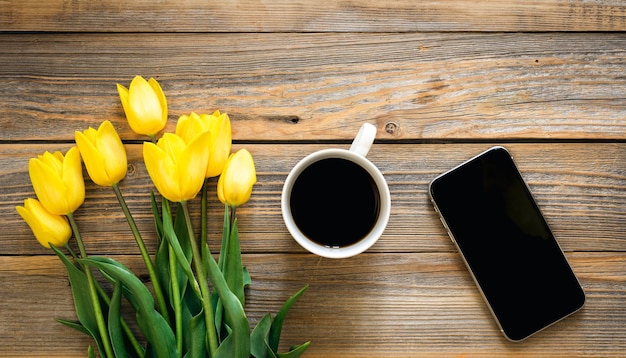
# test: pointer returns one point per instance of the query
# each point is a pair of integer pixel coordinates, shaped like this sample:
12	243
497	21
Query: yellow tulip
177	168
103	153
235	184
218	124
145	105
48	228
58	181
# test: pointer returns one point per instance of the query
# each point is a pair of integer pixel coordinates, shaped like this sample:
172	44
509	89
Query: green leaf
258	338
191	303
172	239
115	324
247	280
277	325
154	327
131	298
191	307
233	309
161	258
295	352
218	315
162	267
227	349
216	303
82	299
74	324
233	271
150	352
90	352
196	345
182	233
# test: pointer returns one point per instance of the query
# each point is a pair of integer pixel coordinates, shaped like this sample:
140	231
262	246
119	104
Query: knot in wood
392	128
130	170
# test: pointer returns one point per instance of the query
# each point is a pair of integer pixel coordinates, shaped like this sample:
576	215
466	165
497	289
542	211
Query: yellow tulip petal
193	163
112	149
47	228
221	142
48	187
172	144
53	160
91	134
94	160
162	171
144	112
189	127
220	190
73	179
123	92
183	126
156	87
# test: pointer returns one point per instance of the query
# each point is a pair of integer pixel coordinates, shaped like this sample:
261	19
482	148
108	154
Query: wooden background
441	80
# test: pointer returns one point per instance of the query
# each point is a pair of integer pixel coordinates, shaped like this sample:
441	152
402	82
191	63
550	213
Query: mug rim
359	246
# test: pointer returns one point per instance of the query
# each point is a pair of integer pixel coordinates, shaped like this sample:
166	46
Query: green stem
233	215
230	216
204	287
156	284
95	301
69	249
178	314
225	239
204	231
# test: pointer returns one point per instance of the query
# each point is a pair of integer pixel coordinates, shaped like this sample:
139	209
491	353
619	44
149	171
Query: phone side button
447	229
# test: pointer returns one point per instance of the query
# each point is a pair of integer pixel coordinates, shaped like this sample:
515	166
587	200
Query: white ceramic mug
337	209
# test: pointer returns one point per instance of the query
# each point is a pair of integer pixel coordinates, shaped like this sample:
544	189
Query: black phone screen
506	243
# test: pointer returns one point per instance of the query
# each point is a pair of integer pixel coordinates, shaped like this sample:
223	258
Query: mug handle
364	139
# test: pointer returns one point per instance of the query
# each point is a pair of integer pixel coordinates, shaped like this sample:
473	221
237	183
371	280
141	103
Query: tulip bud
145	105
103	153
234	186
48	228
218	124
58	181
177	168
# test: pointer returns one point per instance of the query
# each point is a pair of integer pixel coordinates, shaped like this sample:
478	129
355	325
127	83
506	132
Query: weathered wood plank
371	305
310	15
312	86
580	187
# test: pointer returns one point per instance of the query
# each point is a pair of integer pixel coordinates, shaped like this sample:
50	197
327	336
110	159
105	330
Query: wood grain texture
373	305
320	86
584	200
312	16
442	80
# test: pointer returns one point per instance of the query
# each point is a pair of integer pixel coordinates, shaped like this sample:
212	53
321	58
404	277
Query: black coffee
335	202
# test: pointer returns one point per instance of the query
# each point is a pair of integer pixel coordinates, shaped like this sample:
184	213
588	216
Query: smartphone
510	251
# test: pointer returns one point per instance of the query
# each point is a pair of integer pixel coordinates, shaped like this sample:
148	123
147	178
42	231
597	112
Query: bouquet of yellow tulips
196	306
